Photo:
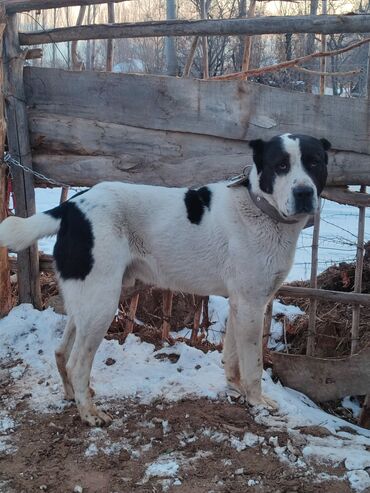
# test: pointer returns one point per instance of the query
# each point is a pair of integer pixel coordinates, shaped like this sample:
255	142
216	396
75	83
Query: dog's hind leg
92	304
62	354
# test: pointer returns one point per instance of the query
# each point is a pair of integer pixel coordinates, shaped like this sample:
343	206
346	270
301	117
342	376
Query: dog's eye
283	166
314	164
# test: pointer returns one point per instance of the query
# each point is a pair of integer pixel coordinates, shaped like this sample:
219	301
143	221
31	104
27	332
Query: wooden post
197	315
313	284
204	15
358	276
109	66
5	288
190	59
132	312
167	310
19	148
248	39
267	323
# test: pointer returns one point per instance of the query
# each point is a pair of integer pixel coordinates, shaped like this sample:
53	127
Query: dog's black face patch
196	201
75	241
314	158
272	160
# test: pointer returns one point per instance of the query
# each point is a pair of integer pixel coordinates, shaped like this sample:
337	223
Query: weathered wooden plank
13	6
60	134
139	168
230	109
324	294
324	379
19	148
153	169
347	197
325	24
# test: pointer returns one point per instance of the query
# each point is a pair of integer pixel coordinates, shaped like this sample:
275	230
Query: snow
162	469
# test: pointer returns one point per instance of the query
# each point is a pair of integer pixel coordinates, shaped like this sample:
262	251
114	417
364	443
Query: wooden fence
84	127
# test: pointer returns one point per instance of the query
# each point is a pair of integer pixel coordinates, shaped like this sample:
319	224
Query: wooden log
248	110
346	197
19	148
355	329
88	170
325	295
324	379
167	310
325	24
14	6
5	288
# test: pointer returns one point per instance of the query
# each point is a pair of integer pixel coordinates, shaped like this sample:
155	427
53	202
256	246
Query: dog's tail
18	233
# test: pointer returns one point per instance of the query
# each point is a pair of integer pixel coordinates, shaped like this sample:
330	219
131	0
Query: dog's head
290	172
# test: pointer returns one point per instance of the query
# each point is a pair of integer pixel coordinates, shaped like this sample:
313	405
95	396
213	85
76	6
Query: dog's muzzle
304	199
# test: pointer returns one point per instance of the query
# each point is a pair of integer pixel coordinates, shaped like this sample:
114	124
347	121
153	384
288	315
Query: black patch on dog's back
75	241
196	201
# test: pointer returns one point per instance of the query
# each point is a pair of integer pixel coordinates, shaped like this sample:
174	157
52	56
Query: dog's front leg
248	318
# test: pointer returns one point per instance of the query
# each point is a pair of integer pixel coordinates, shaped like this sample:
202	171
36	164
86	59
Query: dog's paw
263	401
96	418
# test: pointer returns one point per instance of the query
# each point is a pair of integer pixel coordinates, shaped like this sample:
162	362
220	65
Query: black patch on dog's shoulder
75	241
196	201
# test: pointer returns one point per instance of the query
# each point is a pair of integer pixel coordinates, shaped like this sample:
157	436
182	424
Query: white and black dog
234	241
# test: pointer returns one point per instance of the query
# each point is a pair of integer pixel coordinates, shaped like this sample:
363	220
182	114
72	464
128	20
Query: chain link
10	161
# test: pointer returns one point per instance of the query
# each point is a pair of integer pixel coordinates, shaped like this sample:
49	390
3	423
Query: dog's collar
268	209
260	202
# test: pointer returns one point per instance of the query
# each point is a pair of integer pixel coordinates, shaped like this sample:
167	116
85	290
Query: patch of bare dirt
55	453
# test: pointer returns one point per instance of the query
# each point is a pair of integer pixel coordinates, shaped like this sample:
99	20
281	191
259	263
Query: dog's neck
249	180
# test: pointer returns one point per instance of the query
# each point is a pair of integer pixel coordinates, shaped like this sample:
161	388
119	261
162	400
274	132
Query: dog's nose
303	197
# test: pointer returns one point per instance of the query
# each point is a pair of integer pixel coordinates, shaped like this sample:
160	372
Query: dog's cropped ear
326	144
258	147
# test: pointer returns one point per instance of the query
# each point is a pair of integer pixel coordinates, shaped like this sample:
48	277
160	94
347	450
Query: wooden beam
19	148
346	197
5	288
325	24
14	6
151	169
325	295
324	379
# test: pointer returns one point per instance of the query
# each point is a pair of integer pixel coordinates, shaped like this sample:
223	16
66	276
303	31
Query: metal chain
10	161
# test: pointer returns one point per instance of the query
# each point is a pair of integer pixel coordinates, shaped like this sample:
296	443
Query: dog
231	239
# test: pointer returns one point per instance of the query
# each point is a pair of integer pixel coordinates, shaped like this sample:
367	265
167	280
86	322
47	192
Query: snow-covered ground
338	234
28	337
